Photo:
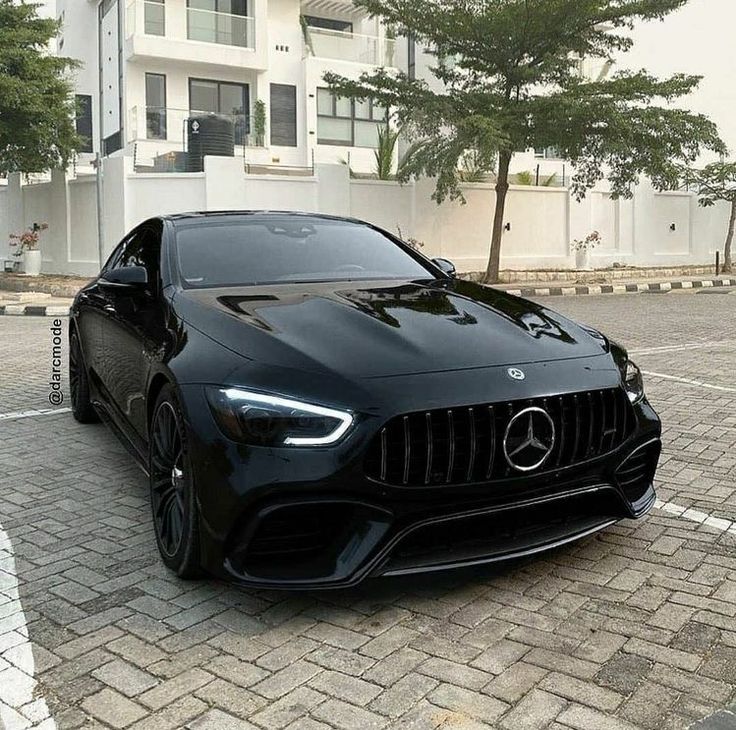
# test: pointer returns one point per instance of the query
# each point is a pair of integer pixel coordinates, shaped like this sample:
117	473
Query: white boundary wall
652	229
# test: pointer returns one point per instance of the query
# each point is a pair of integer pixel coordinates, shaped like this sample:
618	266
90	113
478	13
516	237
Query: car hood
380	329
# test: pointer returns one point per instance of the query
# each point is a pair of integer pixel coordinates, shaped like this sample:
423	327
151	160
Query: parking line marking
694	515
33	413
688	381
686	346
21	705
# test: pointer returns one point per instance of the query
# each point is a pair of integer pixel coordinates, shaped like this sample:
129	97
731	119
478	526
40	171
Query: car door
132	329
91	313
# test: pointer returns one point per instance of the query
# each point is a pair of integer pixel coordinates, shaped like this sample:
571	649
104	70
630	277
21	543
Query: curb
34	310
563	291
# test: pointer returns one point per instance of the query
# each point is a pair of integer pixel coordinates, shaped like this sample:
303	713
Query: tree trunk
727	264
502	189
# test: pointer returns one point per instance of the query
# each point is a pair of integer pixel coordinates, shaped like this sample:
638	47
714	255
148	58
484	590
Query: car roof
204	216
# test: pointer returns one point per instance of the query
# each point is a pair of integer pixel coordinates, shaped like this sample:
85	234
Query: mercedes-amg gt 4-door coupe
316	402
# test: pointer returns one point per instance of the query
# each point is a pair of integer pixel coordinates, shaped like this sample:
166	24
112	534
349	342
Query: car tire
173	501
82	408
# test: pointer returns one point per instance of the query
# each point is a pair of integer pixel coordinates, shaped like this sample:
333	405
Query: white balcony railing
152	18
345	46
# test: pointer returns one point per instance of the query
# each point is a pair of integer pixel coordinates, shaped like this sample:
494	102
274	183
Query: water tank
208	134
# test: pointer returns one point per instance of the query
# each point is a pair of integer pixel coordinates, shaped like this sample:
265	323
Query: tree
716	182
36	103
511	80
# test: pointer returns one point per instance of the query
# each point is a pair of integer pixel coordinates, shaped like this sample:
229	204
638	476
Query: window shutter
283	115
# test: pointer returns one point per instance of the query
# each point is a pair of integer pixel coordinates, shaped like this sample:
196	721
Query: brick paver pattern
632	628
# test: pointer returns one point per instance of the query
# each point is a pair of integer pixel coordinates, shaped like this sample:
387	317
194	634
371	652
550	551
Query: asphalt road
633	628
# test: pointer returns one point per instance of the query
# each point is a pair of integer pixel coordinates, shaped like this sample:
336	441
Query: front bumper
310	518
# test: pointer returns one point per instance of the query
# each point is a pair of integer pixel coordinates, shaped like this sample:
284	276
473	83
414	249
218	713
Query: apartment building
154	71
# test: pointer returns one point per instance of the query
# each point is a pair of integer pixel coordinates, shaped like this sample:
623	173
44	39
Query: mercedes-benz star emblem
529	439
516	374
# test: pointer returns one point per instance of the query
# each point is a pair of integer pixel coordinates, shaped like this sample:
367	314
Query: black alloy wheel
82	408
172	495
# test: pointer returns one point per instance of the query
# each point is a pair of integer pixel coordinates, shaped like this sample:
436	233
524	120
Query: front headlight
270	420
633	381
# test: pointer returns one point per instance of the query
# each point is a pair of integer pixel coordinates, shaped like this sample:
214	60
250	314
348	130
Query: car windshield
276	249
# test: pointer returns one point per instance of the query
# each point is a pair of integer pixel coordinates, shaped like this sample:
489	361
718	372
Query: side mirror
125	277
447	267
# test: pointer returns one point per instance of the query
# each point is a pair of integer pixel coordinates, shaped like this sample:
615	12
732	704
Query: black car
315	402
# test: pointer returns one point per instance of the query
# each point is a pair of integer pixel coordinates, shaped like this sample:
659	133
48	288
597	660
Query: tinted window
289	249
143	249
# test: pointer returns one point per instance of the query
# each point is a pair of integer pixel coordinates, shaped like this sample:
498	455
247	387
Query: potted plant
27	247
582	248
259	123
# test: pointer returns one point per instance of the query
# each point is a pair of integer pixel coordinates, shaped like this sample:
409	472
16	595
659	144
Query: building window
348	123
343	26
220	21
283	115
154	17
223	98
83	121
155	106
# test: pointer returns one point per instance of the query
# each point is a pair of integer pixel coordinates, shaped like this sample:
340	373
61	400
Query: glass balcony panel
170	125
224	28
154	17
347	46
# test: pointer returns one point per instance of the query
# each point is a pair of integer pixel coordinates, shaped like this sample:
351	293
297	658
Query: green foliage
259	122
474	167
714	183
525	177
306	34
384	154
36	103
515	84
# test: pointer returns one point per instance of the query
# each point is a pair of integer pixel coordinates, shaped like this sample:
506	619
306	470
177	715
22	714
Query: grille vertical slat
591	413
428	472
451	446
384	453
463	445
407	449
561	452
615	409
473	445
576	403
492	443
603	422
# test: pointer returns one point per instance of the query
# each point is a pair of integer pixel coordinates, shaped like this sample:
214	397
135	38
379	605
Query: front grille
465	445
636	474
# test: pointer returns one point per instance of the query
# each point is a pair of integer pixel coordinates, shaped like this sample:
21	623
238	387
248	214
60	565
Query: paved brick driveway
634	628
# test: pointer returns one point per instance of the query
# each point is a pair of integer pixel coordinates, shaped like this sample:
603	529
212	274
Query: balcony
223	28
342	45
160	135
172	31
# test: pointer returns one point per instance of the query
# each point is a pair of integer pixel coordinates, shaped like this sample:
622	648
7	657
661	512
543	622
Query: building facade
155	71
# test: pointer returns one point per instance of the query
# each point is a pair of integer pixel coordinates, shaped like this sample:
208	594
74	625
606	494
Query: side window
112	262
143	248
